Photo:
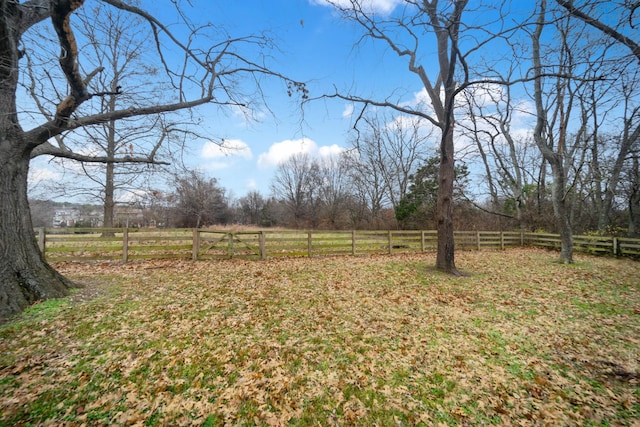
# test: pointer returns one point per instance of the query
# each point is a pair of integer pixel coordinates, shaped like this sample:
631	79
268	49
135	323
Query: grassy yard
381	340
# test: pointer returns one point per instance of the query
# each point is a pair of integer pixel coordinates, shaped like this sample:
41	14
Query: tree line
388	179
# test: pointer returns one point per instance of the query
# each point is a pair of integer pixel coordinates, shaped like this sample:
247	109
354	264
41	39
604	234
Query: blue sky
315	46
319	47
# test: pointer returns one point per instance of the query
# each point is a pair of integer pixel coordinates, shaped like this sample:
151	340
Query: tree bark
445	257
634	200
447	39
109	179
561	210
109	202
25	276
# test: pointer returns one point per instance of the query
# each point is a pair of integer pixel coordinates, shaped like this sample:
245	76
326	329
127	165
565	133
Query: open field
360	340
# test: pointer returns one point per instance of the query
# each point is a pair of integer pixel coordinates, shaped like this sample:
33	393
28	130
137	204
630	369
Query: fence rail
91	244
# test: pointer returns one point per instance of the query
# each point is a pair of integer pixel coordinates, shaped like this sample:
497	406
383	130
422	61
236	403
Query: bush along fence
86	244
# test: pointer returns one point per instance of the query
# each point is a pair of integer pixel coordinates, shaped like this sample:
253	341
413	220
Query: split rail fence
92	244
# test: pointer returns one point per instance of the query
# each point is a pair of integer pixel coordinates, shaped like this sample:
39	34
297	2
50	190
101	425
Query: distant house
66	217
73	216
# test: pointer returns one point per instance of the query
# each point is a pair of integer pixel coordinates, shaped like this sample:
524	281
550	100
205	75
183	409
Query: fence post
522	238
390	243
125	245
309	245
478	239
615	246
502	240
41	239
353	242
263	245
230	245
422	241
196	245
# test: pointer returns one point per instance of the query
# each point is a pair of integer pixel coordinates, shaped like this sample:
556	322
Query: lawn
379	340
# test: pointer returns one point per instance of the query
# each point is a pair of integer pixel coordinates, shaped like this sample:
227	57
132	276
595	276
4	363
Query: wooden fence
86	244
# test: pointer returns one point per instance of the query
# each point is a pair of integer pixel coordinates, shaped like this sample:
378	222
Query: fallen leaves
333	341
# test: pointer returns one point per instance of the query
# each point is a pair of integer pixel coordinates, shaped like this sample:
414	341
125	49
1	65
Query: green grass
334	341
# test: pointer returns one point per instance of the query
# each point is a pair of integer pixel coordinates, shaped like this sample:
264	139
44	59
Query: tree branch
32	12
52	128
489	211
60	18
155	24
51	150
635	48
375	103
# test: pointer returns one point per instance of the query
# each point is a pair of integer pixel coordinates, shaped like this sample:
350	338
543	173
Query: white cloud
131	196
524	114
383	7
420	101
330	151
348	111
523	120
228	148
409	123
281	151
485	95
420	97
38	175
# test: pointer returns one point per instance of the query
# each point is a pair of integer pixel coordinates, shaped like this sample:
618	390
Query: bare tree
421	26
251	208
555	98
295	184
158	208
367	187
395	146
611	147
197	70
334	191
621	87
510	161
112	44
633	194
576	94
199	201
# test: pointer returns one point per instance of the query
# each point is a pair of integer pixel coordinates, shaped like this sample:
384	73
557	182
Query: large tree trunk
634	200
447	58
25	277
561	210
552	153
109	179
445	258
109	202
